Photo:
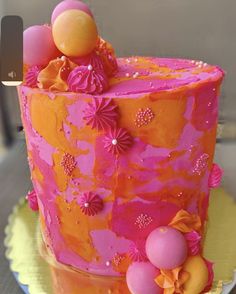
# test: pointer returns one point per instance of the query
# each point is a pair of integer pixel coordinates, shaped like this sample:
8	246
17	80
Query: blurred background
195	29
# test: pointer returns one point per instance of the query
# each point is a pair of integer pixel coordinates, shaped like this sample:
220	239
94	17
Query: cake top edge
144	75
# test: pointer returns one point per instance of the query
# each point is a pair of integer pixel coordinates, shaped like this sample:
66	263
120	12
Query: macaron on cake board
121	154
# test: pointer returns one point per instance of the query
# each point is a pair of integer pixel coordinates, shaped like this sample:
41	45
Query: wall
201	29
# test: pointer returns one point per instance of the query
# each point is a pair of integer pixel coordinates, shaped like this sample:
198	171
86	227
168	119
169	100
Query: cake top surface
138	75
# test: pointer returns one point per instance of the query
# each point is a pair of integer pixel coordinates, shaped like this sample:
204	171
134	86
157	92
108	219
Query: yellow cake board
45	276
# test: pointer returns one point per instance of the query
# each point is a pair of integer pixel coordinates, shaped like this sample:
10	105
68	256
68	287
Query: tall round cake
121	157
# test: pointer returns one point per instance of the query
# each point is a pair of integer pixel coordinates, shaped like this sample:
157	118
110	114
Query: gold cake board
42	275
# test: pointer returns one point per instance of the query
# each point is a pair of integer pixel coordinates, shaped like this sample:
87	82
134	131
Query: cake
121	155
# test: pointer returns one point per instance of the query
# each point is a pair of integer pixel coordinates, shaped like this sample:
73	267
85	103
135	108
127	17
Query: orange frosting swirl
107	54
54	76
186	222
172	281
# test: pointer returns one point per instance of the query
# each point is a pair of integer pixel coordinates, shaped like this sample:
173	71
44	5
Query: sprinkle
127	75
63	58
135	75
114	142
201	164
180	194
108	263
117	259
90	67
68	162
143	220
144	117
136	59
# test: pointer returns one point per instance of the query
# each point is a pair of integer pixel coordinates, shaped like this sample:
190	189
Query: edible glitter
143	220
201	164
68	162
144	117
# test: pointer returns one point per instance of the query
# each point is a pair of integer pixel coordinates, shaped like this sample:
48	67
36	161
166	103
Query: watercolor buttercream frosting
121	154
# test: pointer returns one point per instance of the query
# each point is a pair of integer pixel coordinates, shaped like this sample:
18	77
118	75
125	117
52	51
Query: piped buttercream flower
31	76
172	281
32	200
101	114
90	204
117	141
215	176
107	54
86	79
54	76
185	222
193	240
92	59
137	251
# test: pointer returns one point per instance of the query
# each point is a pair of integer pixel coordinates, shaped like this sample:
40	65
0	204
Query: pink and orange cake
121	155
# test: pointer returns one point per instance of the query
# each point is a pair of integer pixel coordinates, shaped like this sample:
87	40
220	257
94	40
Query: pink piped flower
215	176
137	252
31	76
193	240
90	204
89	80
32	200
94	59
101	114
117	141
